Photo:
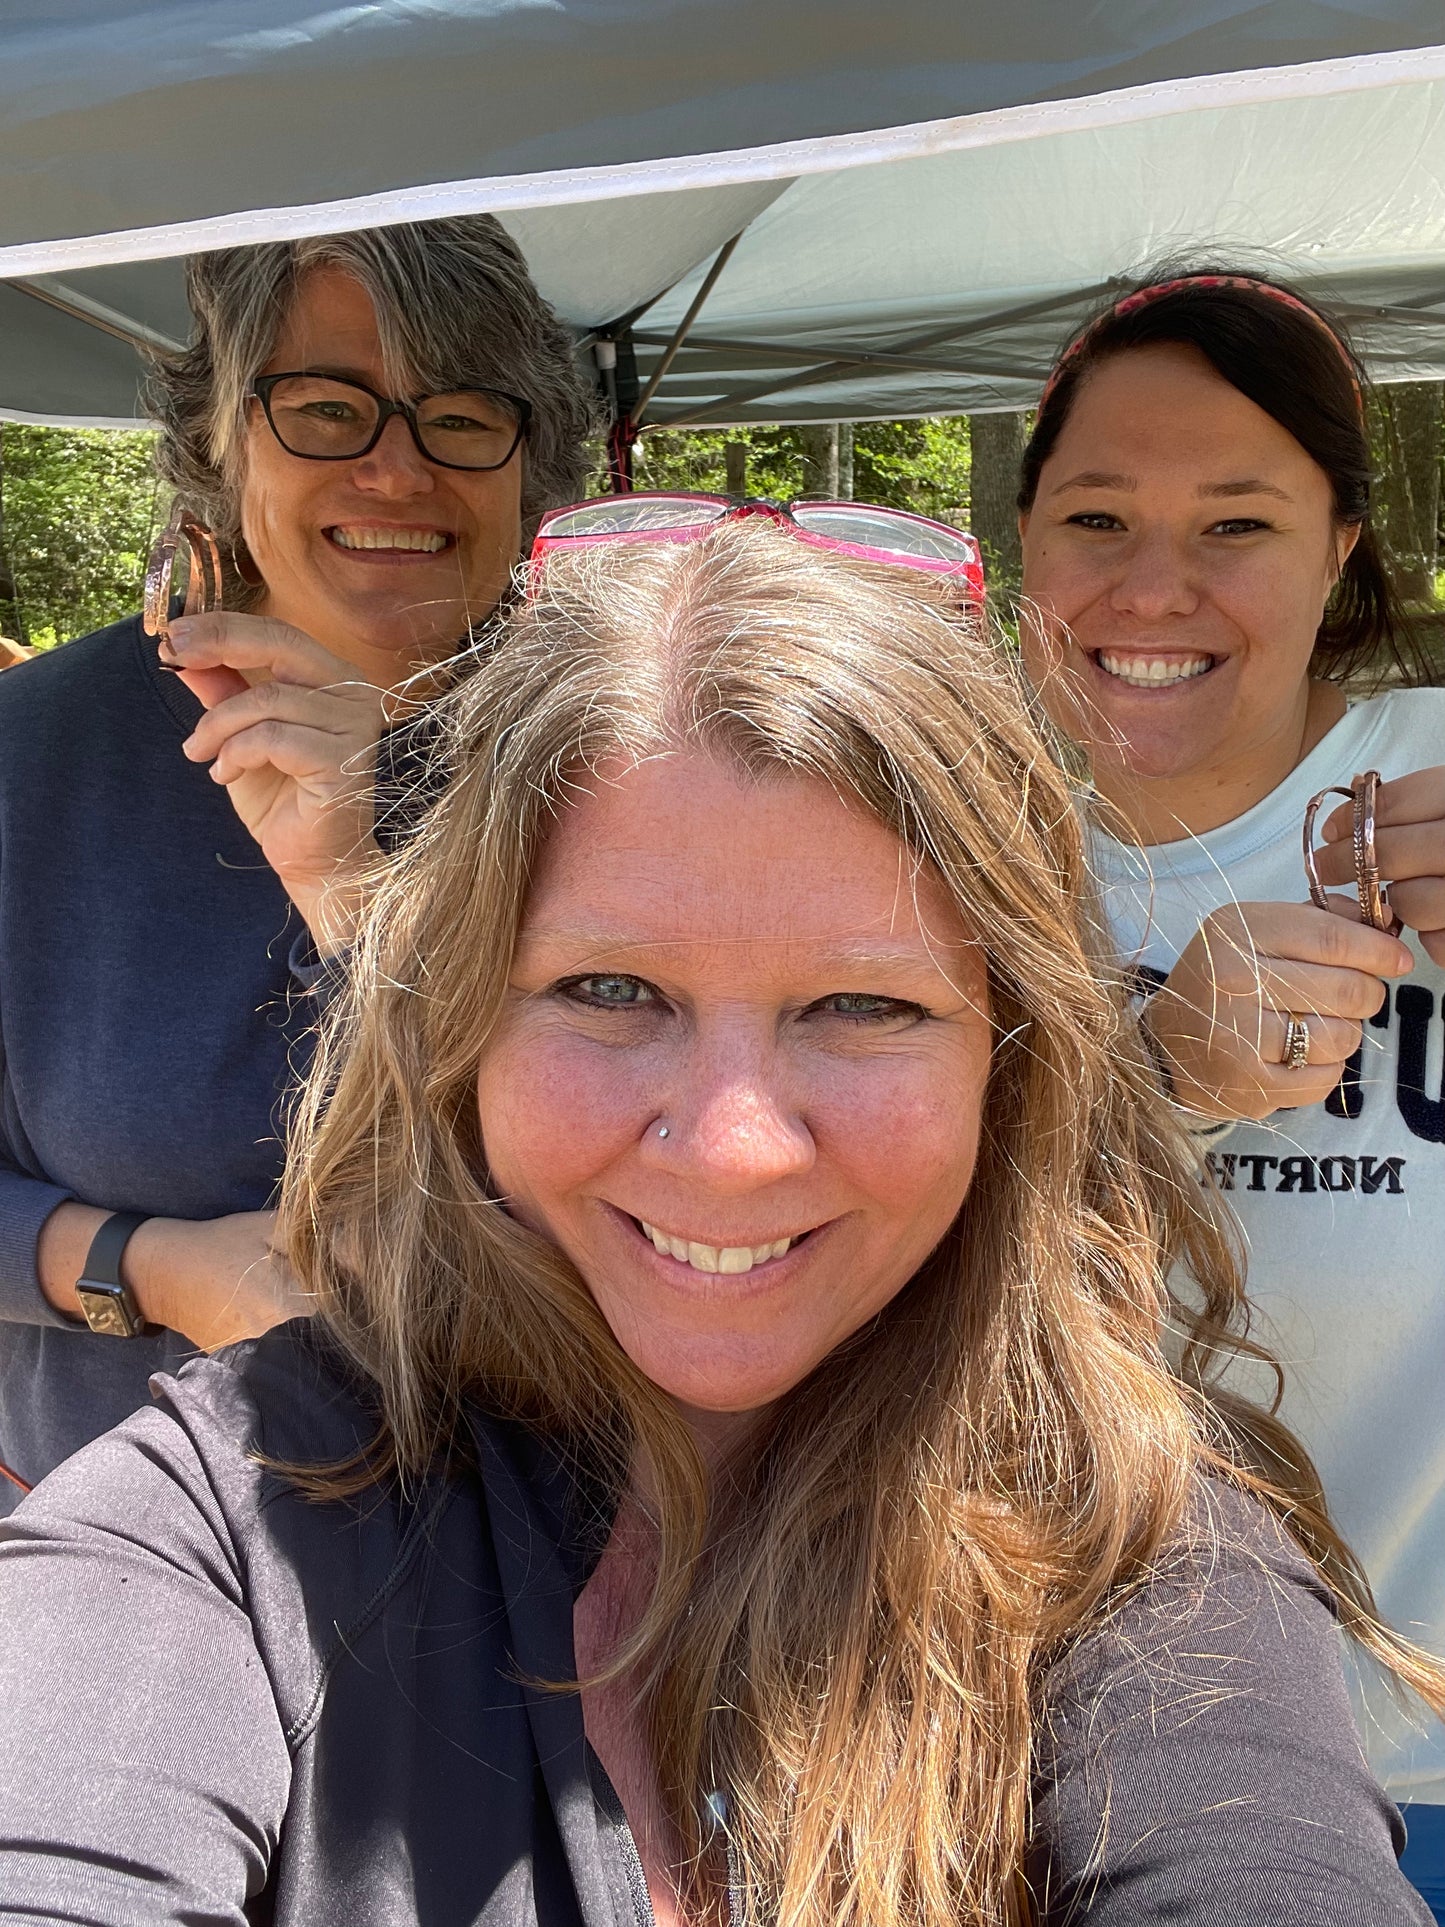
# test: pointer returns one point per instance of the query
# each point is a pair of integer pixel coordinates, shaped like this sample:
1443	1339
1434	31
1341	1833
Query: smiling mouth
419	541
730	1260
1136	670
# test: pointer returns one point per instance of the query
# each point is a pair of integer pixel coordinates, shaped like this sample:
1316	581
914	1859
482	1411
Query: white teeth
727	1259
426	540
1152	672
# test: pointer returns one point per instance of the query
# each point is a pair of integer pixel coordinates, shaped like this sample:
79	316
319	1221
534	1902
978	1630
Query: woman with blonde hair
746	1463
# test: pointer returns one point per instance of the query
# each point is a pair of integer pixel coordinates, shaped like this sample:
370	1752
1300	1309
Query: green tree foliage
918	465
79	511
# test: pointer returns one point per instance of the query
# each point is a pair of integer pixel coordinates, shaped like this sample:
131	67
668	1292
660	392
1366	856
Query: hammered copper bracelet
1373	895
203	574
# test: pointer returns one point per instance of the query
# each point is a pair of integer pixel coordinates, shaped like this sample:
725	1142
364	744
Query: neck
1162	809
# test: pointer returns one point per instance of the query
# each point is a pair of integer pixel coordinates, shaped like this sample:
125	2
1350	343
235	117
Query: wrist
60	1253
146	1268
332	910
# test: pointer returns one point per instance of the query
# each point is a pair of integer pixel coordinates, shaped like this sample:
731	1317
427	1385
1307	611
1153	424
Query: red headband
1144	297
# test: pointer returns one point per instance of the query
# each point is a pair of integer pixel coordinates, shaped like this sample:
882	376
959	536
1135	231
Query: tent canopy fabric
927	194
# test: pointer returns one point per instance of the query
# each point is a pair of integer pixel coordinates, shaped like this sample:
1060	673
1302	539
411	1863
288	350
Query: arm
1199	1762
215	1281
144	1774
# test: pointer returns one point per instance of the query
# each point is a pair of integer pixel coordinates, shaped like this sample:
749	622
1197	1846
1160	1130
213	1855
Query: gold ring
1296	1041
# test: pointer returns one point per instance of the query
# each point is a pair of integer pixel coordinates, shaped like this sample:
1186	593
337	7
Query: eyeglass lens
888	534
318	416
634	514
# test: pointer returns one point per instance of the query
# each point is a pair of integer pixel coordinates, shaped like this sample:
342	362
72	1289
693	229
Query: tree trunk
1405	423
10	622
735	455
820	459
996	446
845	461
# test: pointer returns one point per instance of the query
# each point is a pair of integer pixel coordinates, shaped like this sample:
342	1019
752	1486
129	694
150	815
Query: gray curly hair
455	308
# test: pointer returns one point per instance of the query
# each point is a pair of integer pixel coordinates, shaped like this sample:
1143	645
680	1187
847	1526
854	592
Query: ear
1023	523
1347	534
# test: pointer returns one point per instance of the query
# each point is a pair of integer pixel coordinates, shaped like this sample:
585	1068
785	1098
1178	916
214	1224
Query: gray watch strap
102	1261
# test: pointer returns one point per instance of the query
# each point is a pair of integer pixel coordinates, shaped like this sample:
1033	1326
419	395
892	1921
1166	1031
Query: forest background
79	509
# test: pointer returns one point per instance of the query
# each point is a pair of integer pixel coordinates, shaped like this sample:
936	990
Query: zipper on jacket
610	1801
717	1806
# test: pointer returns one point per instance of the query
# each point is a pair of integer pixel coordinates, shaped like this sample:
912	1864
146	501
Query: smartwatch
108	1303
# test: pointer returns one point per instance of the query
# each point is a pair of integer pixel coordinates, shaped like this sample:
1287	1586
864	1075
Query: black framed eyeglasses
323	418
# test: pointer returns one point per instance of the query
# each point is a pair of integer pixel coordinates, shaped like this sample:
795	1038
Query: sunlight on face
1181	548
759	972
384	608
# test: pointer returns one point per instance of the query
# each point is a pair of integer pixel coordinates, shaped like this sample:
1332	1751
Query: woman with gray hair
368	424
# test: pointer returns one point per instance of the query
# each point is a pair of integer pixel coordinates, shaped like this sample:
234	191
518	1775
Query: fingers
1421	904
1410	850
1332	1040
1351	994
306	755
352	726
1223	1014
1417	798
1259	1030
1233	1064
276	649
1241	940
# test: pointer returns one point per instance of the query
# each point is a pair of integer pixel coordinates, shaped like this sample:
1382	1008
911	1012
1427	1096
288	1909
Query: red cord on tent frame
621	438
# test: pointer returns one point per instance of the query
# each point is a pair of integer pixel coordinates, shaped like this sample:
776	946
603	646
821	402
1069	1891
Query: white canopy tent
926	195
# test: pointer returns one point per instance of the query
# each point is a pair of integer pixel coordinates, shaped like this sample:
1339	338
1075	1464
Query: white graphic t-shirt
1342	1204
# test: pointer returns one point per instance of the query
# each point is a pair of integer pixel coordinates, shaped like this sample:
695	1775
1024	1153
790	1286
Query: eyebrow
1253	485
1208	491
1097	478
611	943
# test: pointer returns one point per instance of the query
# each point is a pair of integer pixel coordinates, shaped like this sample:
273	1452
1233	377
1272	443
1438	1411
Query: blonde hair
848	1629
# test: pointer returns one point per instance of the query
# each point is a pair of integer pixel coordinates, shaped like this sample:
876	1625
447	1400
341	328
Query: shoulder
195	1487
1200	1738
1229	1554
86	686
1233	1607
71	668
1411	721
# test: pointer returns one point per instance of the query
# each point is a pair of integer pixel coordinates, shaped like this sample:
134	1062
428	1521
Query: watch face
105	1311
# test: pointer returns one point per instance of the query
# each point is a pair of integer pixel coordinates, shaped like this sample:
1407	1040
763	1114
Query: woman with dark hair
368	423
1203	595
742	1468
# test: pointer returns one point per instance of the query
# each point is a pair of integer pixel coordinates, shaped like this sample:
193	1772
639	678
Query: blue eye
605	992
864	1007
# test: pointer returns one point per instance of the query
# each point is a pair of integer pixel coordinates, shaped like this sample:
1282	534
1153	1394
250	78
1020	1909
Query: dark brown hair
1290	359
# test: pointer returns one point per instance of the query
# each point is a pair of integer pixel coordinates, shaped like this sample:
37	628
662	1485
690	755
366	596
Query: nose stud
662	1131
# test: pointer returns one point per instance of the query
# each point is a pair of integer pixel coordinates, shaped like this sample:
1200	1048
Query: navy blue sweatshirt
153	1004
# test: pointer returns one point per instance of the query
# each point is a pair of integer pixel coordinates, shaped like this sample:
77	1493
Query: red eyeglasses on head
852	528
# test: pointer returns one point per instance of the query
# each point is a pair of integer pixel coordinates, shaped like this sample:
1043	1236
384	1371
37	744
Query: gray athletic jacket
220	1703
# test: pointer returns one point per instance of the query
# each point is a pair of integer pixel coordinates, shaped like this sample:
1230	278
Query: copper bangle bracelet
203	573
1373	895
